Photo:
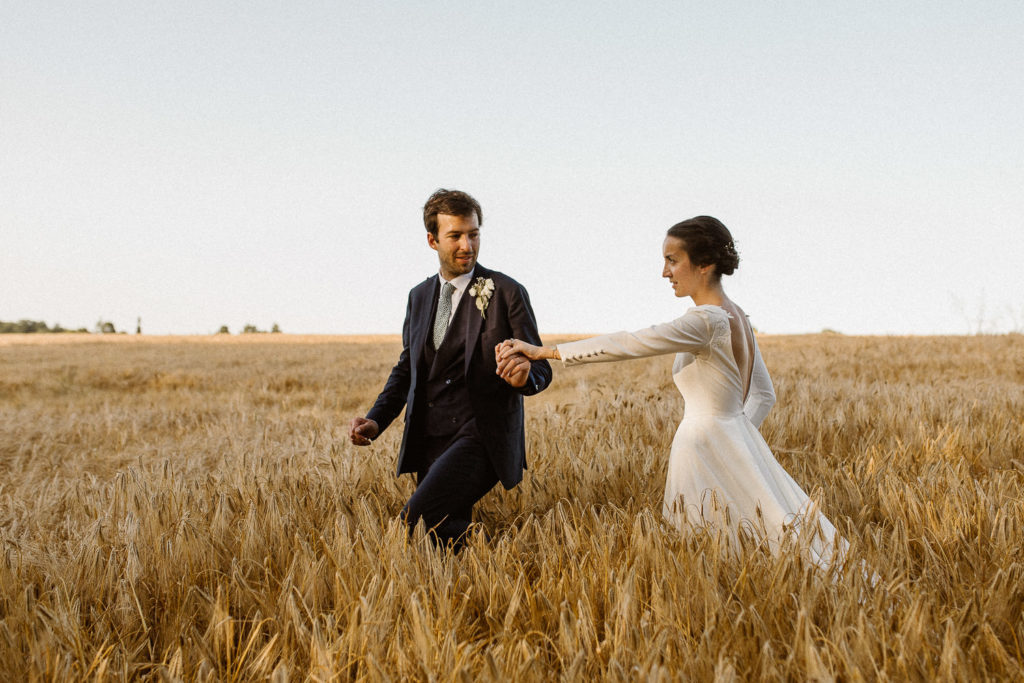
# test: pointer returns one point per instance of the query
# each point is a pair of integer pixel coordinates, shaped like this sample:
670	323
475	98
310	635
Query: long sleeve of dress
691	333
761	396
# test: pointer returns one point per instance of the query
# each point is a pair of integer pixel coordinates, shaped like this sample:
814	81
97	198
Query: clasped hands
513	358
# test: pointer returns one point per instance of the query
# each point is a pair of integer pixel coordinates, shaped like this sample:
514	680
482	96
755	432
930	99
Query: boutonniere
482	290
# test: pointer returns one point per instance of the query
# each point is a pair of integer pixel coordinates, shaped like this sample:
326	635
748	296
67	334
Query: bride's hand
511	347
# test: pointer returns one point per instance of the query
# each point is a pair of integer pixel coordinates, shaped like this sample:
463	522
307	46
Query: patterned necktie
444	311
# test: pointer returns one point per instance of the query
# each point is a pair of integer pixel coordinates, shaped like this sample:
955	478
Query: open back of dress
742	338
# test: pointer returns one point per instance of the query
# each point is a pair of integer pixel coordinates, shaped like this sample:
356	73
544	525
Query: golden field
190	509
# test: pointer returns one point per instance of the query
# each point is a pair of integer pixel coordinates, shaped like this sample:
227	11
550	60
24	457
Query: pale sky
209	163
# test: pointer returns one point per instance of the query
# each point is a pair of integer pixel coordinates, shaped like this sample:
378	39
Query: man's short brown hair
451	202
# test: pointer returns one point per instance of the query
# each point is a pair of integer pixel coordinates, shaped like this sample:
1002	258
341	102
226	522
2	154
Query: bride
721	472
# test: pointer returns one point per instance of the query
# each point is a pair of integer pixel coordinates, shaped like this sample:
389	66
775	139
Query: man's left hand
514	369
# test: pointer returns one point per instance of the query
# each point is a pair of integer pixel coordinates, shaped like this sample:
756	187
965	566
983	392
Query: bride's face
685	277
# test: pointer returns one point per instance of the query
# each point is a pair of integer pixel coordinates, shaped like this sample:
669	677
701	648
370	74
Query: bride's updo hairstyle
708	243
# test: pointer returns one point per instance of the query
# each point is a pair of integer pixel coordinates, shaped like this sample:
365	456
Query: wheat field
190	509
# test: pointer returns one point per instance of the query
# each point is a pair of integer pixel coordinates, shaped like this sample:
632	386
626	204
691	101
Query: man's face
457	243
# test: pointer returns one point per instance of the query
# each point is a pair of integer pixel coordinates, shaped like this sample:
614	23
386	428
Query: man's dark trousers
459	474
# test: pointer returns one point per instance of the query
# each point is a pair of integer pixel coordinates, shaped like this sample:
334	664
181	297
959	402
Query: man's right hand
363	431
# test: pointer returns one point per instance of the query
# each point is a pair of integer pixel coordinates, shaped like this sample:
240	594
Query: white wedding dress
721	472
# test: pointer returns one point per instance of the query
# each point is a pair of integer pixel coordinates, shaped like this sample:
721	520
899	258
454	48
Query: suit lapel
421	323
474	321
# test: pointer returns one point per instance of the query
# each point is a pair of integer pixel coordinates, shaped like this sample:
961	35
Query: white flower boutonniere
482	290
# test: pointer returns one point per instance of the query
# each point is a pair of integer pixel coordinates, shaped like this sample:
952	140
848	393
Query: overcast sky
200	164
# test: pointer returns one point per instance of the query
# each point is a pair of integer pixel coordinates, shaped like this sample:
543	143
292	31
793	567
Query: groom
463	423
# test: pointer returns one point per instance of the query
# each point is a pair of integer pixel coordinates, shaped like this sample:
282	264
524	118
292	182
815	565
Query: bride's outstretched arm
690	333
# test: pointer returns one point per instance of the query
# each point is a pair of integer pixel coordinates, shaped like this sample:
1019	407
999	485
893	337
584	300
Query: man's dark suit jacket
497	407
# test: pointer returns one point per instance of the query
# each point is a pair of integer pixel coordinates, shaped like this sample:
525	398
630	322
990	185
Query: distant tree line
104	327
38	326
249	328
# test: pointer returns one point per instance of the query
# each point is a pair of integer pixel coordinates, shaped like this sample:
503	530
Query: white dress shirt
461	284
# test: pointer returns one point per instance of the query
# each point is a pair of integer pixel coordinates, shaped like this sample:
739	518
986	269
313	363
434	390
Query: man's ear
431	240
